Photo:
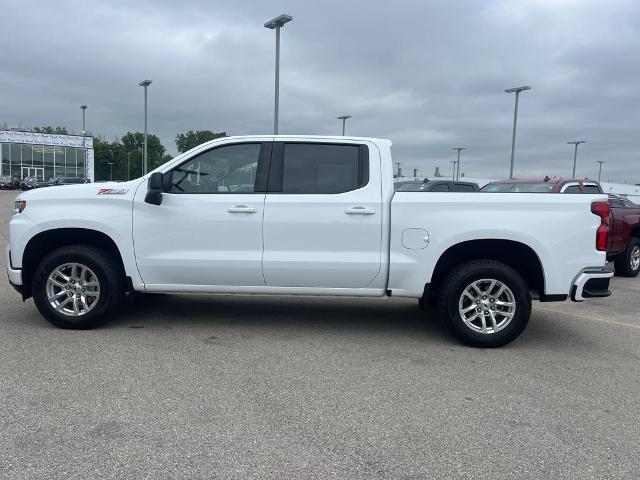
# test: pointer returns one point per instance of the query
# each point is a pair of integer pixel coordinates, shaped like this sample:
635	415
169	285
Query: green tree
191	139
134	141
58	130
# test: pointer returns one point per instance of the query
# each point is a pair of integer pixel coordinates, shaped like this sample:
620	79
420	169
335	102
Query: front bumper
14	274
592	283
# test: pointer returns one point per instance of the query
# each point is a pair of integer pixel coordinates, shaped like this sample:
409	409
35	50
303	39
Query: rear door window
441	187
318	168
591	189
463	187
572	189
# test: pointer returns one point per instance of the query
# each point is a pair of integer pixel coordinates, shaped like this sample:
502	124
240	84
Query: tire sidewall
631	272
466	274
86	257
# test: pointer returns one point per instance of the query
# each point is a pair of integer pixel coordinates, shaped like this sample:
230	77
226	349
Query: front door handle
359	211
242	209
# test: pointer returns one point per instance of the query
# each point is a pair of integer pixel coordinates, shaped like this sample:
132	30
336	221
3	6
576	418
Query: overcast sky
429	75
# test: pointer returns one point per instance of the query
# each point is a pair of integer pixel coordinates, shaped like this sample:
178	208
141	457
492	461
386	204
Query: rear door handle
242	209
359	211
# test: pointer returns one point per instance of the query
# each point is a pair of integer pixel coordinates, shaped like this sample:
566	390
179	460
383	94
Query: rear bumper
592	283
14	274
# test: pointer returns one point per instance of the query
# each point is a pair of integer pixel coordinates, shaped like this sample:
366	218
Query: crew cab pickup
299	215
624	240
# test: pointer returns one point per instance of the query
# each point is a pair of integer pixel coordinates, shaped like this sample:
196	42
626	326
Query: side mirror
154	189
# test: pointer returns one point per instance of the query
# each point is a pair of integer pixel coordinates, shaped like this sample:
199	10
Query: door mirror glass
154	189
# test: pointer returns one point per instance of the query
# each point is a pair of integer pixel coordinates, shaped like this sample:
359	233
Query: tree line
124	155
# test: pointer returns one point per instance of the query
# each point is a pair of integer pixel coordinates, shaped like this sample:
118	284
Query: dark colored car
72	180
9	183
29	183
46	183
436	186
624	236
546	185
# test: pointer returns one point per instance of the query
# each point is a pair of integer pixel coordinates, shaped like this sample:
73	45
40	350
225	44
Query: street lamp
517	91
453	175
145	84
277	23
344	120
399	171
128	163
84	148
575	155
459	149
110	170
600	169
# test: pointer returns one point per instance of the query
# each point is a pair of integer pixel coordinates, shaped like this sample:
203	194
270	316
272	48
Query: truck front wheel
77	286
485	303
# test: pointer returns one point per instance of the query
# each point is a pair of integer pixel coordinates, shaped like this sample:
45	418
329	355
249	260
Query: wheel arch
519	256
49	240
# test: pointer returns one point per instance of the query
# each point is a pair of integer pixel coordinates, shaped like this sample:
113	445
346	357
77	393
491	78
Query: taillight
602	210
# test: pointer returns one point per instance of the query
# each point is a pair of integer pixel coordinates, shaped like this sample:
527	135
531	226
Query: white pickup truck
301	215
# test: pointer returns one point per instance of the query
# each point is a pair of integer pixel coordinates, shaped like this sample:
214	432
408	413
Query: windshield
518	188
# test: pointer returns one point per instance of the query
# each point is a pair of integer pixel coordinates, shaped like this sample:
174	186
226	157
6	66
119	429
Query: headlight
19	206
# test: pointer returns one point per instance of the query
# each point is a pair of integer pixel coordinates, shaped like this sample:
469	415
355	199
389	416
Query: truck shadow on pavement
392	316
296	315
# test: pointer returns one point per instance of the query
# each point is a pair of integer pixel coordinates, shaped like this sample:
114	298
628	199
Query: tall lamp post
575	155
453	175
600	169
459	149
128	164
110	170
276	24
145	84
84	148
517	91
344	120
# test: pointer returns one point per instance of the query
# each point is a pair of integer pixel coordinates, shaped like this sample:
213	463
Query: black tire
463	276
110	276
623	263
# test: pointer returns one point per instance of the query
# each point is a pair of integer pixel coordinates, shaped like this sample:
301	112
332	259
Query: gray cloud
428	75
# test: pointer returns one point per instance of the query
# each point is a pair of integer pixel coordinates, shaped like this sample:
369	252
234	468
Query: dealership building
45	155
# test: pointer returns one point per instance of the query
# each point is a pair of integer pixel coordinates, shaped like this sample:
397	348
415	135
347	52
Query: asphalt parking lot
200	386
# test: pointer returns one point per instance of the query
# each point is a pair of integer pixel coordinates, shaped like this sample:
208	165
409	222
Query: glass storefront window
27	154
4	158
49	160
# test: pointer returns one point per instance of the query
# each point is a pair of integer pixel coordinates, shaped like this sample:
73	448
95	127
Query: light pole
399	171
453	175
600	169
277	23
459	149
84	133
344	120
128	163
517	91
110	170
145	84
575	155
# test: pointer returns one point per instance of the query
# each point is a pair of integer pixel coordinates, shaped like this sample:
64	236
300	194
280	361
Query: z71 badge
112	191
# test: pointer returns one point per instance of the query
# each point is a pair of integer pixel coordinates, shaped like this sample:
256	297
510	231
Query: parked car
624	238
46	183
9	183
72	180
29	183
436	186
322	219
546	185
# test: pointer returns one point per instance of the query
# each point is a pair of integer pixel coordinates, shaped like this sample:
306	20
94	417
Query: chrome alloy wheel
635	258
73	289
487	306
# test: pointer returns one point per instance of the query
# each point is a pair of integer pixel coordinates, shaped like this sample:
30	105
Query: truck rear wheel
77	286
485	303
627	264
